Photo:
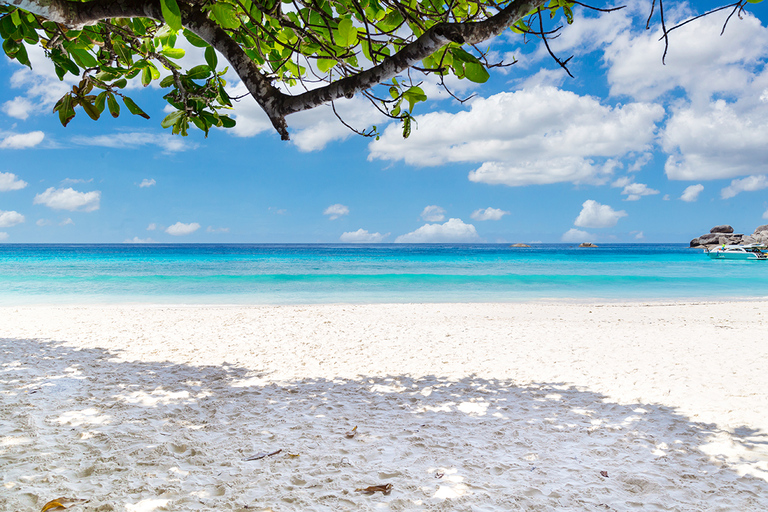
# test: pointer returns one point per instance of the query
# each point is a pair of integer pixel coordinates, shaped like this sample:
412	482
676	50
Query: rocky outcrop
587	244
724	235
519	245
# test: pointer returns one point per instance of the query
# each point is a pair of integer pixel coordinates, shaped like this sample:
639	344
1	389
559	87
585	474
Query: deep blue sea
319	273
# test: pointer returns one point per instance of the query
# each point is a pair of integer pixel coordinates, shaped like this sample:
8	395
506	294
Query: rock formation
720	235
587	244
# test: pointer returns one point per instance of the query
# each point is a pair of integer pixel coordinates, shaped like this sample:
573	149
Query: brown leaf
61	503
351	433
261	455
385	488
604	474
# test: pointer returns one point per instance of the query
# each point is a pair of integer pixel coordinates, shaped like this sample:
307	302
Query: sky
630	150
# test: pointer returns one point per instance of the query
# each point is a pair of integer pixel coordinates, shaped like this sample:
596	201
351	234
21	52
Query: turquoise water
302	274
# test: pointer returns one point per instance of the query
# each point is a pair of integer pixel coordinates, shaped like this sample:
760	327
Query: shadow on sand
145	436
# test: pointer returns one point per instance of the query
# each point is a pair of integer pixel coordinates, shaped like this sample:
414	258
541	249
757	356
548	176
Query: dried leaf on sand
351	433
61	504
385	488
261	455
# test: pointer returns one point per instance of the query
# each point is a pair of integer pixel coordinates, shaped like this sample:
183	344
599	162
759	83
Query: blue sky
627	151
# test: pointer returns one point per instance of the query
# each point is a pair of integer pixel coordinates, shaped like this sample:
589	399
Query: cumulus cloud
638	234
66	222
9	181
152	226
634	191
335	211
43	222
147	183
211	229
534	136
577	235
19	107
455	230
691	194
137	240
180	229
433	213
748	184
69	199
22	140
488	214
10	218
716	141
596	215
362	236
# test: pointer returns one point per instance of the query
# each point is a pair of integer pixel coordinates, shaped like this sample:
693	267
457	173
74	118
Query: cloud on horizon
455	230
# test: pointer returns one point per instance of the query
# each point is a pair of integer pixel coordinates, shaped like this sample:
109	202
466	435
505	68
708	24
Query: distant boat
738	252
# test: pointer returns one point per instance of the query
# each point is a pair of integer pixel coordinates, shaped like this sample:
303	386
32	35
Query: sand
482	407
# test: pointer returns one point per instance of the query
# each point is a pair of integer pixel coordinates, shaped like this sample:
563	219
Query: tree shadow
144	436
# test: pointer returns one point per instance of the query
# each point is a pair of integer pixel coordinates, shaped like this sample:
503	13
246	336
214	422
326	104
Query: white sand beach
482	407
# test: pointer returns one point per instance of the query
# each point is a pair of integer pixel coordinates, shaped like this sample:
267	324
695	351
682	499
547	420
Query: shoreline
145	407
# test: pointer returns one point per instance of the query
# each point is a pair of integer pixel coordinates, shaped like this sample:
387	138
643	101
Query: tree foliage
324	49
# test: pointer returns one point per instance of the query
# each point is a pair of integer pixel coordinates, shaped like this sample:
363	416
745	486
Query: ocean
333	273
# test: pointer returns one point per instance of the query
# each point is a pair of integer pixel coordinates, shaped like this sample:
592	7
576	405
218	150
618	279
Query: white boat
738	252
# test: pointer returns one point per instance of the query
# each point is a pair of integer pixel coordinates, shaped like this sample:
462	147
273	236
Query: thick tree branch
432	40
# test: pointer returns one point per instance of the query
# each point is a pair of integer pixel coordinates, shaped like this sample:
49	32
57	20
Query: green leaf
167	81
91	110
173	53
414	95
65	109
171	14
133	108
146	76
227	122
120	83
347	33
100	100
194	39
325	64
171	118
225	14
114	106
84	58
199	72
210	57
476	72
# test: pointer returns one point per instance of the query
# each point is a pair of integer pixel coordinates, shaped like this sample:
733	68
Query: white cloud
180	229
152	226
638	235
748	184
3	235
74	181
19	107
147	183
335	211
10	218
577	235
716	141
691	194
167	142
211	229
66	222
765	214
596	215
137	240
43	222
455	230
362	236
634	191
69	199
489	214
9	181
537	136
22	140
433	213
